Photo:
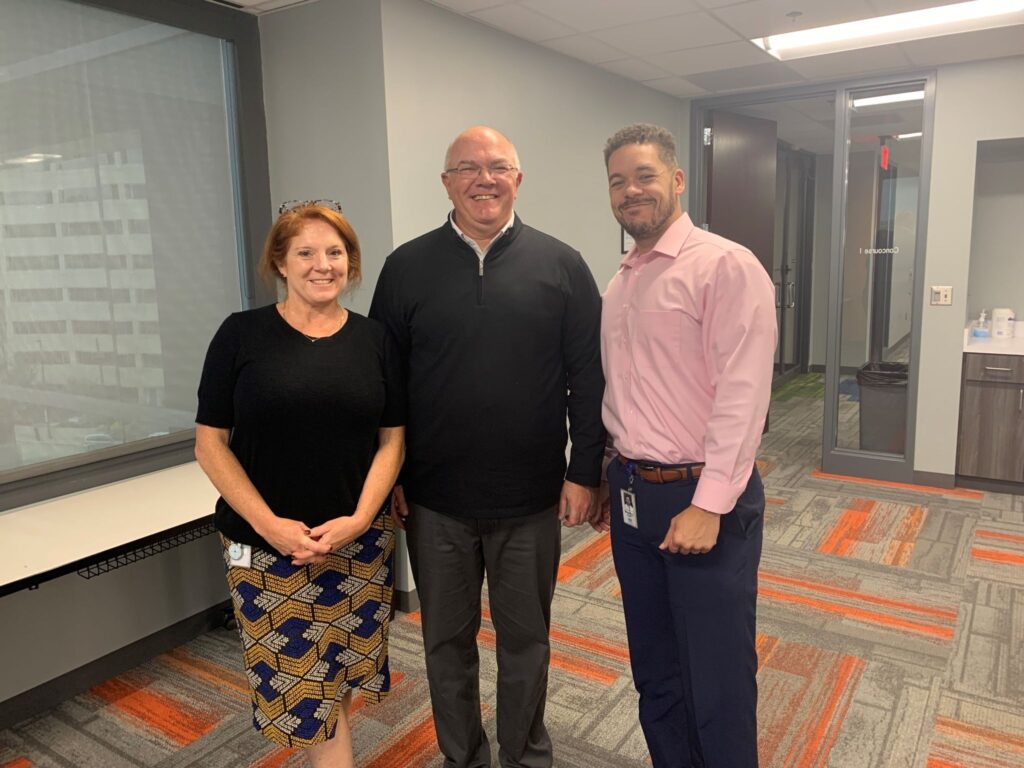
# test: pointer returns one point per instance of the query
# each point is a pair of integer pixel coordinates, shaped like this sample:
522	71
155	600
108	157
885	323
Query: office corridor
891	633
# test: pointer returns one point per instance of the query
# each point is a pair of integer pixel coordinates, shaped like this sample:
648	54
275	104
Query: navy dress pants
690	623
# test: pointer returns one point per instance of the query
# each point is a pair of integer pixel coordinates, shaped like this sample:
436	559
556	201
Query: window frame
247	121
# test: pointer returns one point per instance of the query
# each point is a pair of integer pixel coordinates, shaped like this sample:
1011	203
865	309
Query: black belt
663	473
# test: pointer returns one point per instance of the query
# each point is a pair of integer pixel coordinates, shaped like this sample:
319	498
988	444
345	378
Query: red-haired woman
300	428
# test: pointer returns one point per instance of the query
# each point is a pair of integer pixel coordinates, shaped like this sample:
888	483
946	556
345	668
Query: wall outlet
942	295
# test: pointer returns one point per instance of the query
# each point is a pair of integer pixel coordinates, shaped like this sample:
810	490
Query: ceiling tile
819	108
889	7
468	6
673	33
522	22
711	57
675	86
846	63
746	78
718	3
969	46
634	69
768	17
585	48
273	5
587	15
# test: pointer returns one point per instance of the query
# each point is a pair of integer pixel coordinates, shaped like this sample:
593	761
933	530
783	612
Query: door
740	160
870	370
794	217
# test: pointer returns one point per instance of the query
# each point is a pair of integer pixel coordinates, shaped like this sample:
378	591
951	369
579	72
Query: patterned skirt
312	633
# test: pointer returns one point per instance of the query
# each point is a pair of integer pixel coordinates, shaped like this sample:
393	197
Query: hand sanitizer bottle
979	329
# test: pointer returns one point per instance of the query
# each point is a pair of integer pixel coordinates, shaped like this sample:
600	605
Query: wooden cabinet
991	443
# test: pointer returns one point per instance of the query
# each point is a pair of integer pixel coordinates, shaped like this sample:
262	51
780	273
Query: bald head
477	136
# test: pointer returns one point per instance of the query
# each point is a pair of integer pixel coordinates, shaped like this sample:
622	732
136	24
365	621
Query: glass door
870	371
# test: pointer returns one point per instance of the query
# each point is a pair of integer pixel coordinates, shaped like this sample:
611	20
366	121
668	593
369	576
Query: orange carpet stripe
999	535
618	652
412	748
765	646
275	759
939	613
843	537
179	723
774	502
596	550
934	762
592	644
821	740
999	738
961	493
580	667
872	617
905	539
208	672
18	762
995	556
565	573
568	662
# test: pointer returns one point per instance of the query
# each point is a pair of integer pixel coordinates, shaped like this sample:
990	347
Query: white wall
323	86
973	102
997	235
444	73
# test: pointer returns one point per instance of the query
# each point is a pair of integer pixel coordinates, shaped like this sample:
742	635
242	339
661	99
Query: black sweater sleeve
581	345
217	385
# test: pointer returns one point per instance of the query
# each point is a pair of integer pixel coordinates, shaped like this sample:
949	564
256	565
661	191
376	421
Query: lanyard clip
631	471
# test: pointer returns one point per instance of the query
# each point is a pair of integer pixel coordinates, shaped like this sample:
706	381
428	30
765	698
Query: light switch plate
942	295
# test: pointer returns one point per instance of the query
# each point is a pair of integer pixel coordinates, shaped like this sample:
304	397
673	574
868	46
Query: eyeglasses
291	205
471	171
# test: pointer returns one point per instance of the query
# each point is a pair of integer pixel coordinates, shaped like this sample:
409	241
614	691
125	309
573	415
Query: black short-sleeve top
303	415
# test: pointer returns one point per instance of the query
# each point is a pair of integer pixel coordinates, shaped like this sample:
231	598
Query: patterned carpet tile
997	554
891	622
976	734
805	694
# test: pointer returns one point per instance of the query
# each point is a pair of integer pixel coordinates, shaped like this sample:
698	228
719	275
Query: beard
640	230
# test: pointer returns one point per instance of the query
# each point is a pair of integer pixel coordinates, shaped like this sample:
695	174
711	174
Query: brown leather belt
654	473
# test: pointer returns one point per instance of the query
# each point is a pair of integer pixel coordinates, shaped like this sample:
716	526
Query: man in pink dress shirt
687	340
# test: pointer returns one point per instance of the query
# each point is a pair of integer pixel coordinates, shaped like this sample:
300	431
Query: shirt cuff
715	496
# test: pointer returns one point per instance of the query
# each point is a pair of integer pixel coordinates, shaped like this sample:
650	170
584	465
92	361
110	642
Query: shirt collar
471	242
669	244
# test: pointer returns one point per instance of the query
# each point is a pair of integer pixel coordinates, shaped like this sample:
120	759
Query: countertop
990	346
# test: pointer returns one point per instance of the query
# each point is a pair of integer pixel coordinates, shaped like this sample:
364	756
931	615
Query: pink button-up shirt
688	338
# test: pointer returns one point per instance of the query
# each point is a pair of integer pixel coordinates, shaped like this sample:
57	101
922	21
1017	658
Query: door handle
792	295
1020	401
778	295
997	369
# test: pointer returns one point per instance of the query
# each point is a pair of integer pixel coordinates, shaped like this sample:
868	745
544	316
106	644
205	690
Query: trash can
883	407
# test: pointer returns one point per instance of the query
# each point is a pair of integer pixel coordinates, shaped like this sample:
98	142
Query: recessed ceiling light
895	28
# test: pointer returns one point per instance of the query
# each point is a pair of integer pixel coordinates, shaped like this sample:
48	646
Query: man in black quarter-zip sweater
497	325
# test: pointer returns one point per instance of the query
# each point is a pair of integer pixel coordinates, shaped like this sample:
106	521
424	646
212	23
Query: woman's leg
337	751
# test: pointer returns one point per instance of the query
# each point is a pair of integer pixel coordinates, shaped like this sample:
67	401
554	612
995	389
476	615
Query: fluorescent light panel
896	28
889	98
914	135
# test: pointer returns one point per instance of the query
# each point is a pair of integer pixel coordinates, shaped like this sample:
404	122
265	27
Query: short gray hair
644	133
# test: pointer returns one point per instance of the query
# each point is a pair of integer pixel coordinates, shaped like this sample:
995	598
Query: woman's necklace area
282	309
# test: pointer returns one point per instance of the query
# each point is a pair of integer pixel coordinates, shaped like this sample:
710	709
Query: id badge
239	555
629	508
